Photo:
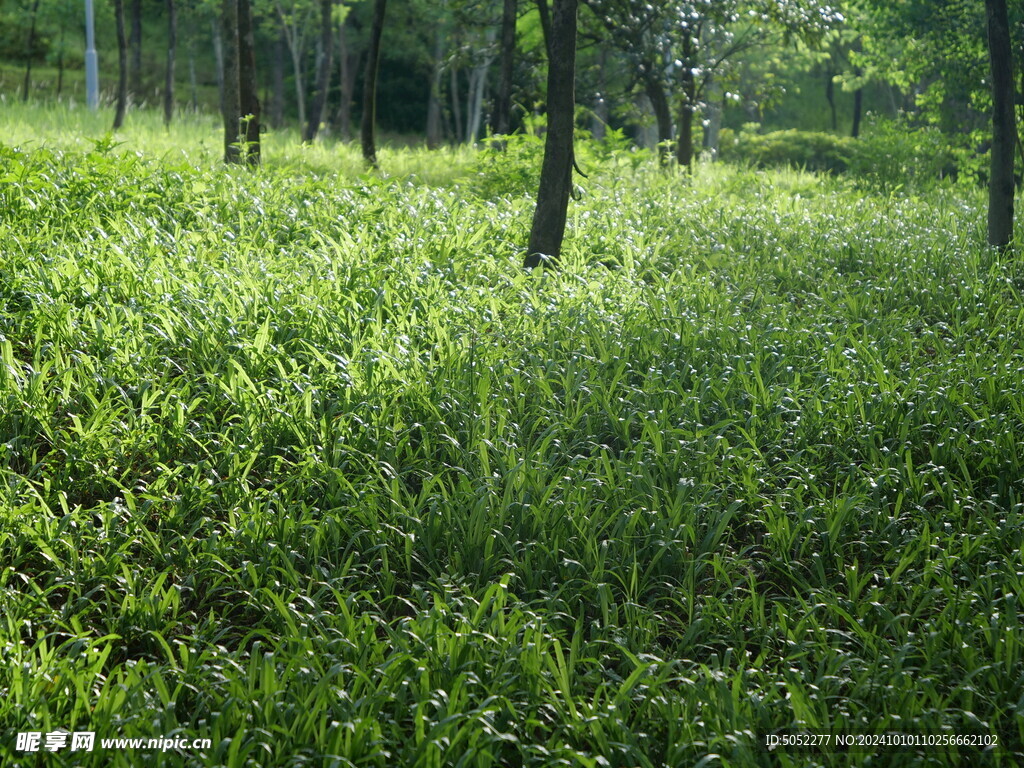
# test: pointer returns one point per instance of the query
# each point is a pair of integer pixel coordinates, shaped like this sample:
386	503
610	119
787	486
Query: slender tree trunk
60	54
232	103
369	120
30	51
1000	189
456	104
475	94
346	72
830	96
659	103
190	31
684	144
545	23
434	103
135	44
248	86
277	82
323	71
295	45
122	64
599	121
172	41
548	227
715	104
501	124
218	59
858	111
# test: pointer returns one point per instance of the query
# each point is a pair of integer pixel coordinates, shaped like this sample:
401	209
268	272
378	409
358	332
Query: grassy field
302	462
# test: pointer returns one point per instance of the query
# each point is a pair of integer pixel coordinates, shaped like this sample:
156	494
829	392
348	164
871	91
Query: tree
680	46
30	51
241	110
135	45
368	125
232	108
295	17
172	35
548	228
323	70
248	98
122	63
502	118
1004	136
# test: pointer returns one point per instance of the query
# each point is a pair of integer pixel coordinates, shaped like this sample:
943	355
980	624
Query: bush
888	154
798	149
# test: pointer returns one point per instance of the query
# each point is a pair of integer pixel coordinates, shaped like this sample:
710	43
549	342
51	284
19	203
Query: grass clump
305	464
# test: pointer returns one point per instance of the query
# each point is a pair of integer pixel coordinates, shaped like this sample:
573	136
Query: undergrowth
302	462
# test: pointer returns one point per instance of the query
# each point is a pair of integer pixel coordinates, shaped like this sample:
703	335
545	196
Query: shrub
888	155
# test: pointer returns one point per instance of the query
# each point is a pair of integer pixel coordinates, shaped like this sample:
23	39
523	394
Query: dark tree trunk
684	144
122	64
858	110
277	82
232	111
659	103
1000	186
60	55
135	44
248	87
830	96
368	125
172	41
545	23
347	67
501	124
30	51
323	71
548	227
456	105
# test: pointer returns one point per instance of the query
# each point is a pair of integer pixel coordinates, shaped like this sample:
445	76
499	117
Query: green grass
302	462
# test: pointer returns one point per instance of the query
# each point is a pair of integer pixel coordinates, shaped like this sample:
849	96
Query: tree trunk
599	120
190	31
475	94
501	124
232	103
548	227
29	51
659	103
172	41
684	144
1000	188
456	104
323	70
248	87
858	110
830	96
369	120
715	100
60	53
135	44
277	82
122	62
545	24
295	46
347	66
218	60
434	125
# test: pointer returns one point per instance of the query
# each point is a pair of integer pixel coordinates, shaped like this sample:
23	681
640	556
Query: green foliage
888	155
302	461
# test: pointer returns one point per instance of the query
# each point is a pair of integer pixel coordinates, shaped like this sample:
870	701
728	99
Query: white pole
92	74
